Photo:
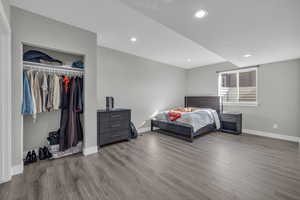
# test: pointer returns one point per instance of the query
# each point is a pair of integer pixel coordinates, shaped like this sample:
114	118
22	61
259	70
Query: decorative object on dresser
231	122
113	126
109	103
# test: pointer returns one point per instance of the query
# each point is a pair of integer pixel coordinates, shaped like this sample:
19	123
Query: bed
186	131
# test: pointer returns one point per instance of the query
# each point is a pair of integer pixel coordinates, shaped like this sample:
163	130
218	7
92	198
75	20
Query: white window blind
238	86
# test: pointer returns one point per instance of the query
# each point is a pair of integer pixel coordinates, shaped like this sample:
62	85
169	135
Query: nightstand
231	122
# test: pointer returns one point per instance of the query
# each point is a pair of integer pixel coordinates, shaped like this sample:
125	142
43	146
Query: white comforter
198	118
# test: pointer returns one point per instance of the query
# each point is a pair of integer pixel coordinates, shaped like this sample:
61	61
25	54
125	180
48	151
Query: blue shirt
27	105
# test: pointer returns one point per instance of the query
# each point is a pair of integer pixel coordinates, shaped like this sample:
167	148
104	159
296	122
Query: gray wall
278	95
5	4
35	134
139	84
40	31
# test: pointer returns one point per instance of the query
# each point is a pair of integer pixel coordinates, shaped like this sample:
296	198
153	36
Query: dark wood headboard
213	102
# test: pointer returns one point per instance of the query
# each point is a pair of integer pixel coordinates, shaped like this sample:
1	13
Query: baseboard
144	130
5	180
17	169
272	135
90	150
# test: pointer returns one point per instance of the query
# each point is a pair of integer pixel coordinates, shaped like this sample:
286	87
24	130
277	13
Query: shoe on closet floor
34	157
28	158
47	153
41	154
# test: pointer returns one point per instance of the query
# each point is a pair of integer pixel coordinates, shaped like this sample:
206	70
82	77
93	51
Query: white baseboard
272	135
17	169
143	130
90	150
4	180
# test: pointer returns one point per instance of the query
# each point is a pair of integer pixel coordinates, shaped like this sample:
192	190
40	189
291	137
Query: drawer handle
115	116
116	135
115	125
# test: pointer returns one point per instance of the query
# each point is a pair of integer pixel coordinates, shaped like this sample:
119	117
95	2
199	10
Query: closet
53	102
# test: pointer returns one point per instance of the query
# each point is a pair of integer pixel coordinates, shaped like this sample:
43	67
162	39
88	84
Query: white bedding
198	118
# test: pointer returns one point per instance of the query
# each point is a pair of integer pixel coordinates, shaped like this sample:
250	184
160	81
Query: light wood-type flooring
158	167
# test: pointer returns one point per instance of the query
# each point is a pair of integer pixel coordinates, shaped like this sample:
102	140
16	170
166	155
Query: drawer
107	126
113	116
103	117
229	118
116	136
119	116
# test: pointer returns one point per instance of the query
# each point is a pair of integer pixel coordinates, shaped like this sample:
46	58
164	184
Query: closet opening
53	103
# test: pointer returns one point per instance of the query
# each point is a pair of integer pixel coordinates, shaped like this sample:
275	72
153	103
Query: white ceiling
267	29
115	23
167	32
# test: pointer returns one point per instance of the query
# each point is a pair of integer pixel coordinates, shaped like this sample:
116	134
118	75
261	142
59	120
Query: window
239	86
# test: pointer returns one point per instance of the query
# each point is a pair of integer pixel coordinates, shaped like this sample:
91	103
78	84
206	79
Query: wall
40	31
5	92
278	95
6	7
139	84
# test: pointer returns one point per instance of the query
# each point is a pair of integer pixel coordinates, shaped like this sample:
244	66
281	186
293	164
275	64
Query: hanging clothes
27	105
61	88
82	92
66	83
71	131
50	93
64	117
79	107
31	84
44	91
37	93
56	92
79	96
72	125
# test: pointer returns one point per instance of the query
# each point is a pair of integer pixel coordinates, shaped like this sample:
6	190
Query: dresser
113	125
231	122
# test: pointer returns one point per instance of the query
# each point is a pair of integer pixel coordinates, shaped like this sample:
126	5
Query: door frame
5	97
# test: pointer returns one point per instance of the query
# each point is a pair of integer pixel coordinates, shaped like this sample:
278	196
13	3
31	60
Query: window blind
238	86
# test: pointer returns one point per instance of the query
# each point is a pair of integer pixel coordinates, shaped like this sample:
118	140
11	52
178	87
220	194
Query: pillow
180	109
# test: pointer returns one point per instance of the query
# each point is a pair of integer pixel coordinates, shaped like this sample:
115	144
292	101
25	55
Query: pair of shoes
30	157
44	153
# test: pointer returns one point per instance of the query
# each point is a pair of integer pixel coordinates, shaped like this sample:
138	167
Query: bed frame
185	131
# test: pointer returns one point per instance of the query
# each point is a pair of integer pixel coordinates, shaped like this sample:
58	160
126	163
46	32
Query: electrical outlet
275	126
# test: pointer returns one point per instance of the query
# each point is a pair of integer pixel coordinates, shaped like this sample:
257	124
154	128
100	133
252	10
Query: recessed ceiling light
189	60
133	39
201	14
247	55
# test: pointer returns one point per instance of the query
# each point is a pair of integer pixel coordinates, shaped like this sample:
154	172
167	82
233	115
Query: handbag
53	138
134	133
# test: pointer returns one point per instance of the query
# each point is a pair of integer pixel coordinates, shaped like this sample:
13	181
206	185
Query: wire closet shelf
68	70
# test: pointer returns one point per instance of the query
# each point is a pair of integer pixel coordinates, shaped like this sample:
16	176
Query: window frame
238	71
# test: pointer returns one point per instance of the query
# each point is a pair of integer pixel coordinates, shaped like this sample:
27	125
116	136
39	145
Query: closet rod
45	67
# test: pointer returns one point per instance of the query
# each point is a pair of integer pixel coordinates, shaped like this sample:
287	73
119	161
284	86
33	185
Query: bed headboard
213	102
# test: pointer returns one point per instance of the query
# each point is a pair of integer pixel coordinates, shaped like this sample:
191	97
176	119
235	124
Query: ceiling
167	31
269	30
115	23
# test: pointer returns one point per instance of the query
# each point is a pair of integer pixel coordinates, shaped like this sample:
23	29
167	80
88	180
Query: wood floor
157	167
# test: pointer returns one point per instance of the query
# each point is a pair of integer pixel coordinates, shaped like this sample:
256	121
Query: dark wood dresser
231	122
113	125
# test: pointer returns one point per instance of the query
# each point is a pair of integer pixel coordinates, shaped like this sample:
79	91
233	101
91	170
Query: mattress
197	118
